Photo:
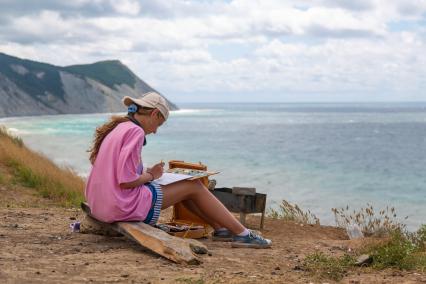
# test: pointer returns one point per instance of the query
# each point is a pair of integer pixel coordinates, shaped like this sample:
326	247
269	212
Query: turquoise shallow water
319	156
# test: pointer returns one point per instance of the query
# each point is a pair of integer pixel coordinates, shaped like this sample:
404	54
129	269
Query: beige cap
152	100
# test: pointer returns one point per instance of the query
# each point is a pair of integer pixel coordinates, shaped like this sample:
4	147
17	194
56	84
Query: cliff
33	88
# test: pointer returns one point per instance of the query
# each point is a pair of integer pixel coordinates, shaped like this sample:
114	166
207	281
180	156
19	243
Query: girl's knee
201	186
197	187
199	183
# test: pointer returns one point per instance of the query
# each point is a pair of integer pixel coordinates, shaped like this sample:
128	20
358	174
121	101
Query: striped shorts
157	202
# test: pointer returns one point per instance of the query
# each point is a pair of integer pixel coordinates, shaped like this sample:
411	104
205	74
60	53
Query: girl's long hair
103	130
100	134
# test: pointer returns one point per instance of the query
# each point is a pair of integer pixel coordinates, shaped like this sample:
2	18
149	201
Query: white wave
17	132
13	130
189	111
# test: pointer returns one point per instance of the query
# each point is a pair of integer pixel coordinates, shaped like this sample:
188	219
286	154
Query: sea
316	155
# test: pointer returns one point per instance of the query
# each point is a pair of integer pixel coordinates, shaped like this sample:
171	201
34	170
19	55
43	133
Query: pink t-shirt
119	161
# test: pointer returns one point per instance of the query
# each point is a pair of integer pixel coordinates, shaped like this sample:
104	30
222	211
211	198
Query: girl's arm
152	173
143	178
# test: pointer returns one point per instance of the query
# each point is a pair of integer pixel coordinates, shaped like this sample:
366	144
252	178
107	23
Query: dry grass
292	212
33	170
370	222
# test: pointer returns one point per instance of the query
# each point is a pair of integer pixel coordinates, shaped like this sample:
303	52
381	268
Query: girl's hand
157	170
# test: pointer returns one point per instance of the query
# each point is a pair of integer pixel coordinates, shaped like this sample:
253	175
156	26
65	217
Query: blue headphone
133	108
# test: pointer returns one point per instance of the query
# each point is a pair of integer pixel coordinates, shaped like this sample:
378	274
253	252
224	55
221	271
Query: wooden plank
89	225
173	248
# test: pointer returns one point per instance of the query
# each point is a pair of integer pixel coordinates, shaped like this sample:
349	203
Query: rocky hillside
33	88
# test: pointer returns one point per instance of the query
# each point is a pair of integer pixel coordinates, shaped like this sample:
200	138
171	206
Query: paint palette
194	173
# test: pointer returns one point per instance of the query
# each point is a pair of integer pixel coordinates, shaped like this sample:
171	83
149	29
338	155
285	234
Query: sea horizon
189	103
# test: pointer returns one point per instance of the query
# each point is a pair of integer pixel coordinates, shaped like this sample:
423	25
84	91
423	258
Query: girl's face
151	122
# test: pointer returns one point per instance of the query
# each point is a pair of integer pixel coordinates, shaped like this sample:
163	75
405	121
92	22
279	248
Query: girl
119	188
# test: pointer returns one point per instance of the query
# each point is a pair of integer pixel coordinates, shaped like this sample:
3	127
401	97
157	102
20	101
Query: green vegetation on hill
109	73
37	79
36	172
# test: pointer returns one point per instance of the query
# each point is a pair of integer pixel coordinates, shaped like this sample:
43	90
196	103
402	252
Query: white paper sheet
168	178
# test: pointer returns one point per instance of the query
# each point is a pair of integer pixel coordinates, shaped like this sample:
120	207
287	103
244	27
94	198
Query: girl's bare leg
204	200
194	209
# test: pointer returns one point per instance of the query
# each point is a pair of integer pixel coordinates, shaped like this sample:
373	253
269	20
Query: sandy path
36	245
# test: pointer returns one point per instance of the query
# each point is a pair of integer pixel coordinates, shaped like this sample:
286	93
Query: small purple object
75	227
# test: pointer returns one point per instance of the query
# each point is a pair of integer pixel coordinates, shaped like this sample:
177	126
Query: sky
235	51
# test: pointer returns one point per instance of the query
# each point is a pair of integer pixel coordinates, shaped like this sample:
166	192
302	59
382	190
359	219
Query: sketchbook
178	174
168	178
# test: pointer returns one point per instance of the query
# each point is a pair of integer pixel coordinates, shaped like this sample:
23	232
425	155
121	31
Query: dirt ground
37	245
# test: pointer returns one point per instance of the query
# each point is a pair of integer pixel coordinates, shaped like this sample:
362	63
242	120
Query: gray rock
364	260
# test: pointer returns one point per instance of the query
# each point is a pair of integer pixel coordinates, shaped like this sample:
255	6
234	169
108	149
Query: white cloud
364	47
129	7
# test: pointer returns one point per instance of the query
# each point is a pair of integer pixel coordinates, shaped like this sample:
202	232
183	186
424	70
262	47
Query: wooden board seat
173	248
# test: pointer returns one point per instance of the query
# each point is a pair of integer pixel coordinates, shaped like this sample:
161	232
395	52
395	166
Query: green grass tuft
402	250
46	187
327	266
420	238
24	176
405	251
395	253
